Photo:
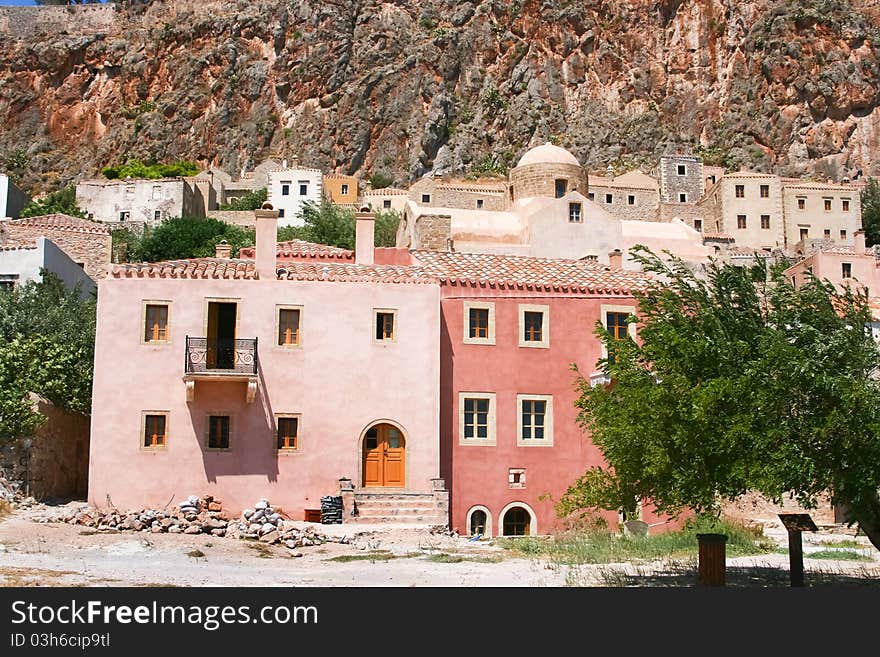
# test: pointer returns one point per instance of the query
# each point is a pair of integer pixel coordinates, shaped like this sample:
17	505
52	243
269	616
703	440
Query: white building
290	188
19	264
142	200
12	199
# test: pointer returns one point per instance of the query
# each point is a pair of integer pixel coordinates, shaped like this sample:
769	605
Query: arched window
517	522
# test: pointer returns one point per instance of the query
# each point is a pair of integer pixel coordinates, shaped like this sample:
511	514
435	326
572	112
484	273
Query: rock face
403	88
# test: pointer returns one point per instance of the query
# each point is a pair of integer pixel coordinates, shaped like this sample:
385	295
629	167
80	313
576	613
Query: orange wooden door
384	457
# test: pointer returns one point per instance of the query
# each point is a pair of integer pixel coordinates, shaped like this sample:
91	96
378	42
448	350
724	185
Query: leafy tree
386	227
871	212
179	238
47	338
380	180
62	201
736	385
151	170
250	201
330	224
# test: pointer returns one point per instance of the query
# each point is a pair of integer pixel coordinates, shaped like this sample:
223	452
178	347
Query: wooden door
384	457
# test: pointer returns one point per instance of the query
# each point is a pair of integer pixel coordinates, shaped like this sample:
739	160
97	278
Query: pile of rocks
193	516
268	525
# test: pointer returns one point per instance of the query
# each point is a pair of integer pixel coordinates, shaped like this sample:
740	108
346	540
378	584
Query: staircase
397	508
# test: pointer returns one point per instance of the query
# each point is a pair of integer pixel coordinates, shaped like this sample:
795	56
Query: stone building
681	178
231	187
292	187
12	199
547	171
462	194
747	206
815	210
87	243
631	196
386	198
143	201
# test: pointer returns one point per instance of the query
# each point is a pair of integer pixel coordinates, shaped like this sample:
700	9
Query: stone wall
433	231
243	218
672	183
687	212
87	248
57	463
643	208
540	179
105	200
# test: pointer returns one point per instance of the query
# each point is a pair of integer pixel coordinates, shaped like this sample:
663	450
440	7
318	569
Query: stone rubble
195	515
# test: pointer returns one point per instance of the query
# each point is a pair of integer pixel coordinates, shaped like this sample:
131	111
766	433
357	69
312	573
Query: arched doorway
479	521
384	456
517	520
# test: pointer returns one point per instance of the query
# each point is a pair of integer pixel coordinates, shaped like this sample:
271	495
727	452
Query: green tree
871	212
328	223
386	227
62	201
250	201
735	386
180	238
47	338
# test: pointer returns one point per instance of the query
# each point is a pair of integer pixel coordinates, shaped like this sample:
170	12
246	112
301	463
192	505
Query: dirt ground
34	553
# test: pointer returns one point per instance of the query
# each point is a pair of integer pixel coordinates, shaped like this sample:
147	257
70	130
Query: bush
62	201
380	180
250	201
181	238
151	170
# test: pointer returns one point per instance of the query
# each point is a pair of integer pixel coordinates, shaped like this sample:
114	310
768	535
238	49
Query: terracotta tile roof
62	222
350	272
529	273
746	251
195	268
713	235
18	247
303	249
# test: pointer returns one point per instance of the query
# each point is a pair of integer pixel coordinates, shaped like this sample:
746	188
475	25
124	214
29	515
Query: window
698	224
287	433
385	324
154	430
218	431
561	186
516	478
534	420
826	232
344	188
710	180
479	204
280	212
7	282
844	205
289	327
386	203
765	221
303	187
476	418
426	198
765	191
616	320
827	204
801	203
740	191
591	196
846	269
157	215
155	322
843	234
285	188
682	169
479	323
804	233
124	216
682	197
631	199
609	198
534	325
574	213
741	221
616	323
157	192
478	524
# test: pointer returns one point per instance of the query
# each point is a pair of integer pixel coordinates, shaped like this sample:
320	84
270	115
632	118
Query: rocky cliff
407	87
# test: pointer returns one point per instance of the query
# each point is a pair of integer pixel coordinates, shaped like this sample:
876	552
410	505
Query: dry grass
10	576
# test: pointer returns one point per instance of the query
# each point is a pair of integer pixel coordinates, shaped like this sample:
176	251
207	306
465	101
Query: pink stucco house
246	379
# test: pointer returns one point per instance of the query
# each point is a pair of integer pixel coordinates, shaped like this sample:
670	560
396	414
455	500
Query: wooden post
796	557
712	559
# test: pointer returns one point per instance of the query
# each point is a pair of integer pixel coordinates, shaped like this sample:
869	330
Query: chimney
859	237
615	259
223	249
364	236
267	236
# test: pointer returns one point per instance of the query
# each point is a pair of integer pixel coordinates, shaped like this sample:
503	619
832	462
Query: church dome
547	154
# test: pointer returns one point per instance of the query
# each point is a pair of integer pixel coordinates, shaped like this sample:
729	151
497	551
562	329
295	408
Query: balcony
221	359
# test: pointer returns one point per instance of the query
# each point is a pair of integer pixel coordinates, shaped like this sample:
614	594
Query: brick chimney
859	237
267	237
223	249
364	236
615	259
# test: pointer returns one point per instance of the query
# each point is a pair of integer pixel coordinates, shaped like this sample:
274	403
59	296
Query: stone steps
397	508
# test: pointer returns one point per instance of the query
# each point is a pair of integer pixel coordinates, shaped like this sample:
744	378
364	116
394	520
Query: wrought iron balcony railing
221	356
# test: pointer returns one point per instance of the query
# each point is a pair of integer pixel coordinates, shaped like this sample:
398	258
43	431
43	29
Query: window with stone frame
739	191
765	221
155	430
289	327
287	433
574	213
765	191
155	322
741	221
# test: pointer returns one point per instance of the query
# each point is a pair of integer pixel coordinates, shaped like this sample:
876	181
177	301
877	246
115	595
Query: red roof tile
303	249
350	272
195	268
713	235
62	222
529	273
